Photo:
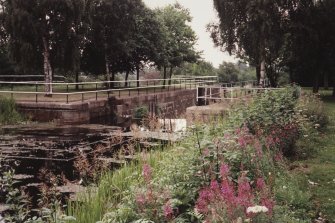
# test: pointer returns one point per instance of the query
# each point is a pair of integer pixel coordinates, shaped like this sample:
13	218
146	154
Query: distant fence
230	92
72	92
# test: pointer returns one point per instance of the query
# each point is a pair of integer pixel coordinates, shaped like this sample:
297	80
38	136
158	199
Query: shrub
141	112
8	112
273	108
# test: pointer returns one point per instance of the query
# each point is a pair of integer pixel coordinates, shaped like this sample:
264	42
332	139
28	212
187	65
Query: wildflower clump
227	201
152	201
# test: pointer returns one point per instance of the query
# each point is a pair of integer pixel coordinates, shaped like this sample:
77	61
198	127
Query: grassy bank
317	174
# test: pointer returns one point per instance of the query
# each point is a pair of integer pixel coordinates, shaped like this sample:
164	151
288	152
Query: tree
178	36
77	17
200	68
251	29
228	72
310	52
112	24
38	28
144	41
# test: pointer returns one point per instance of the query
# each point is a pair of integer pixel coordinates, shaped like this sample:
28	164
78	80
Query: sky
203	13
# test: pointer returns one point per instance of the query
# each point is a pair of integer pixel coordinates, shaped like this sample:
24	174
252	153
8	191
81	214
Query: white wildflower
257	209
2	220
312	183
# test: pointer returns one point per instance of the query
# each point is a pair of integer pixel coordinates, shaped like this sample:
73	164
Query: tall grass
114	185
8	112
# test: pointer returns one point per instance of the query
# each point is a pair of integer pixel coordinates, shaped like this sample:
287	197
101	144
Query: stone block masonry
171	104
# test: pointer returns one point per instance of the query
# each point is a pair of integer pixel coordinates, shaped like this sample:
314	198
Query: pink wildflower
168	211
146	173
206	152
269	203
238	131
269	142
245	196
224	170
242	142
260	184
140	200
278	157
228	195
205	197
227	136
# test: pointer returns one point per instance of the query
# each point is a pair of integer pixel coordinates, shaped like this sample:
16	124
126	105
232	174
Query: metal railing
250	83
73	92
223	93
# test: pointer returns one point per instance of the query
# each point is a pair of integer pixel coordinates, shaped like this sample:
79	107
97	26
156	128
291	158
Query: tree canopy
178	38
279	36
92	36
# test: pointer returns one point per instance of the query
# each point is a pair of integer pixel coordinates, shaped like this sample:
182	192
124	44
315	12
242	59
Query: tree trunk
171	72
138	75
77	78
47	69
316	84
258	72
108	77
272	75
262	73
164	76
76	67
326	80
126	79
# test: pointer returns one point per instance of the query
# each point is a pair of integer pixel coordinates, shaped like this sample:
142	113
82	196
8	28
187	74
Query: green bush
271	108
141	112
8	112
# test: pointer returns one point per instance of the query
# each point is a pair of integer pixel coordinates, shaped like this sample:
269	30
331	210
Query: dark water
30	148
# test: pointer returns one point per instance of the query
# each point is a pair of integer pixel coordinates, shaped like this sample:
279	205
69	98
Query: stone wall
62	113
171	104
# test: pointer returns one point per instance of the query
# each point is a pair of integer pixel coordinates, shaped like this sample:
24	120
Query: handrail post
96	91
36	89
147	88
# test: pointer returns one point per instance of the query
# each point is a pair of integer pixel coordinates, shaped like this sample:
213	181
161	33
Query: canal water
33	147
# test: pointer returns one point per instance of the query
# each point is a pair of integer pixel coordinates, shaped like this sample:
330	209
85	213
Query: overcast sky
203	13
